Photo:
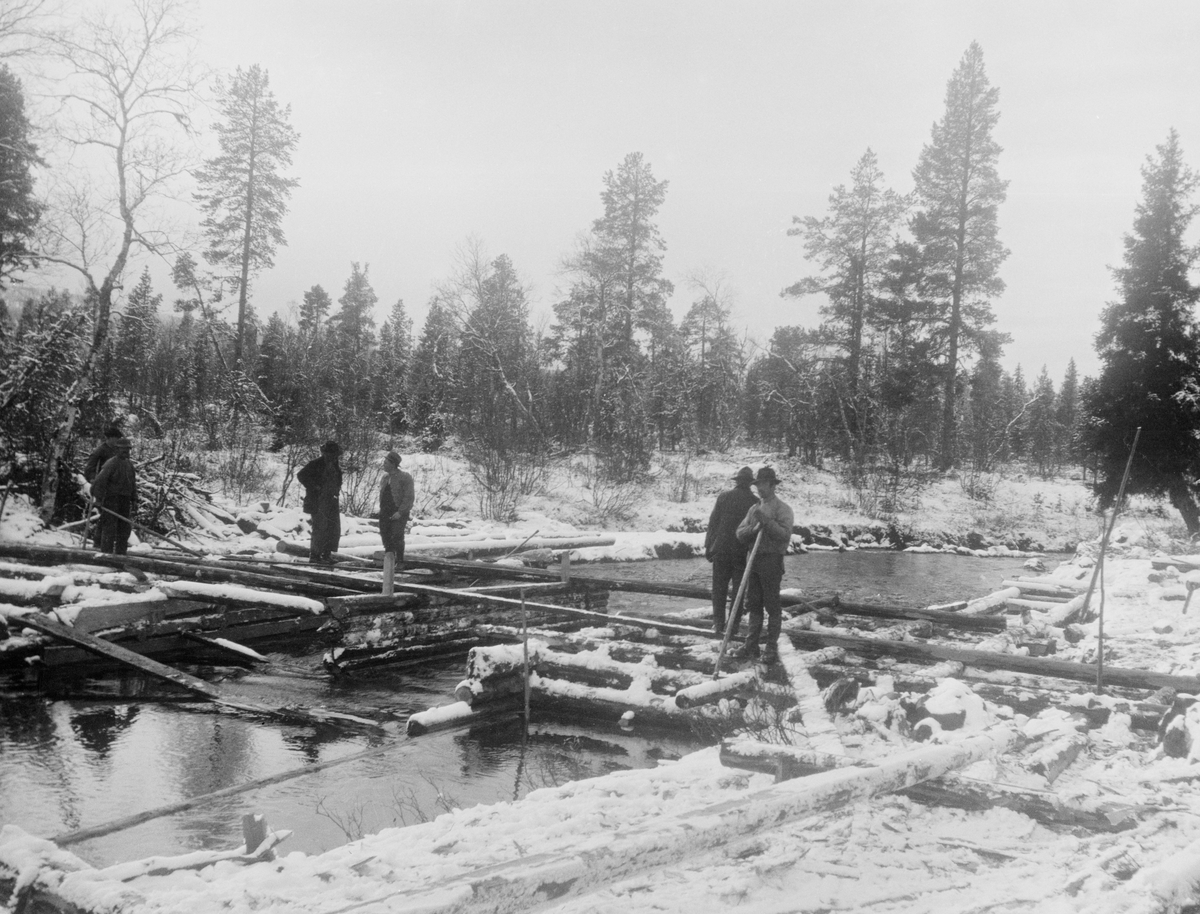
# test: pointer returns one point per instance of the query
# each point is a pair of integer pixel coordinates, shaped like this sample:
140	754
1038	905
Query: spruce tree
1066	417
1042	428
1149	348
135	340
19	210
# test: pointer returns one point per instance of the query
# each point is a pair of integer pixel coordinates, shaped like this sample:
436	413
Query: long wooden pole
1100	565
145	529
736	609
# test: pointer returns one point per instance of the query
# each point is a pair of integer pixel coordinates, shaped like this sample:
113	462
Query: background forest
901	379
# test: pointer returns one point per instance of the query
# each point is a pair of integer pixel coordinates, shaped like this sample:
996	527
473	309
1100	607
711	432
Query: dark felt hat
745	474
766	474
392	457
331	447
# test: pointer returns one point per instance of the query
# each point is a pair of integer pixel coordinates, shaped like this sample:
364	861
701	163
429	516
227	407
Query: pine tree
19	210
628	240
243	192
1149	348
314	311
958	193
851	246
715	357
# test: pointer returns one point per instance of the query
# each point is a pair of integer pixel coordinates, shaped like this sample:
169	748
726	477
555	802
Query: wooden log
1028	695
419	650
564	611
712	691
261	851
593	668
1066	613
198	571
65	839
953	620
665	841
1052	760
1042	666
788	762
1023	606
459	714
785	762
1046	588
1046	808
504	547
500	686
993	602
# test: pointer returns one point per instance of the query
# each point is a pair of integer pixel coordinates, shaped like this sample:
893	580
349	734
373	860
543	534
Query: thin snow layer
234	593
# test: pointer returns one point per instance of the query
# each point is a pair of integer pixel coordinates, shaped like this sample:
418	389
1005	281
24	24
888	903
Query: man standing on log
396	496
774	519
722	546
115	491
322	481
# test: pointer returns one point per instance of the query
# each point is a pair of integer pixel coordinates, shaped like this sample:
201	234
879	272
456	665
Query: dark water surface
69	763
860	576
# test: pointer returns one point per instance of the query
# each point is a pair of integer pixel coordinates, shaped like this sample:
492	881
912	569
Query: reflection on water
67	763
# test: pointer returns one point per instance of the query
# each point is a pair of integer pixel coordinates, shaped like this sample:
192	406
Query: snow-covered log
714	690
523	884
992	603
452	715
1052	760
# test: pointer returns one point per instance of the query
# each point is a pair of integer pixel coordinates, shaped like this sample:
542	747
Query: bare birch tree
125	87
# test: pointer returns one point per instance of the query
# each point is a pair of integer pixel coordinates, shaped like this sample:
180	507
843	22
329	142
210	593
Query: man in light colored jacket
396	496
773	518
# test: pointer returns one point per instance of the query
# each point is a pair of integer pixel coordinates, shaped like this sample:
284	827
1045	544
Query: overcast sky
424	123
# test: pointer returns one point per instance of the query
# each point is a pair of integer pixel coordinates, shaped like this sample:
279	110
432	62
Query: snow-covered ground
678	838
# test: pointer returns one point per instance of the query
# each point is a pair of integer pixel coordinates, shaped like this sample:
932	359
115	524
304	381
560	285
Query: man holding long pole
773	517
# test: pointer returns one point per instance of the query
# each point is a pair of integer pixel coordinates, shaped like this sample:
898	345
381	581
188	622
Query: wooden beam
1041	666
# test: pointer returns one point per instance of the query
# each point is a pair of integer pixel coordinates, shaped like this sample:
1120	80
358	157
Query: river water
73	762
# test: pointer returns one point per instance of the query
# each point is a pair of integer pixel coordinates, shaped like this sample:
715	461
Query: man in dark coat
115	491
722	547
396	497
322	481
101	454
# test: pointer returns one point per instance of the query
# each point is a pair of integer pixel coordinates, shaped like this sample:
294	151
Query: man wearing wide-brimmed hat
774	519
721	545
322	481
